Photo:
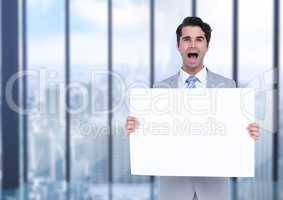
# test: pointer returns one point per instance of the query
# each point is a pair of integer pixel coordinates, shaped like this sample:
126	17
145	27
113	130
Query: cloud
87	49
127	16
46	51
92	12
40	5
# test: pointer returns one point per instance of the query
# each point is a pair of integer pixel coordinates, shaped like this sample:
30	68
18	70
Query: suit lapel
211	82
174	81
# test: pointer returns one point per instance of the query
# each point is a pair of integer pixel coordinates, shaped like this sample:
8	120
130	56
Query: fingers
132	124
253	125
255	136
253	130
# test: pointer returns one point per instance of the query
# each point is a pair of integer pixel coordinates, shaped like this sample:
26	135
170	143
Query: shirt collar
201	75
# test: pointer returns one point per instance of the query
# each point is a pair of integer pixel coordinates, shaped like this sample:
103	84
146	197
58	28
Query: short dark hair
194	21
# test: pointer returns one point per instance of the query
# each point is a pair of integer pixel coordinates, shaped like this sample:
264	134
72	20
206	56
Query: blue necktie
191	82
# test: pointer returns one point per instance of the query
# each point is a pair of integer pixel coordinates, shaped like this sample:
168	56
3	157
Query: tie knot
191	81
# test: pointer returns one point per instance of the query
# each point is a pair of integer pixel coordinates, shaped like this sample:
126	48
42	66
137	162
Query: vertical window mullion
152	70
110	117
194	8
25	91
235	40
235	70
67	94
10	123
276	121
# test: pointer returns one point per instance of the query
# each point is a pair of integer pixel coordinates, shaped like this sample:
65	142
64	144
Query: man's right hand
132	124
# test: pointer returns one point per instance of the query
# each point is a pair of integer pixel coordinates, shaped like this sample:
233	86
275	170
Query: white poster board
199	132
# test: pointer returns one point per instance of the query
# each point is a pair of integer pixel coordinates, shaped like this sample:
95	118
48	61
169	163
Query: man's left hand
253	130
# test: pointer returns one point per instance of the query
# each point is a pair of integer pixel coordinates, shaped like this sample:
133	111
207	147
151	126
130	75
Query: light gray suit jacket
206	188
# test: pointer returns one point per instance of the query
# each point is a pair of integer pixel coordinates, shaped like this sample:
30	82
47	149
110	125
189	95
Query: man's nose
192	44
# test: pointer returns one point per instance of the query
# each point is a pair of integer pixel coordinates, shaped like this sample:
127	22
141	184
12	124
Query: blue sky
131	32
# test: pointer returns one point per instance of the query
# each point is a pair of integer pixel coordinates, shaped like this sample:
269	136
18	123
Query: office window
100	165
168	15
218	14
45	99
130	69
89	100
255	70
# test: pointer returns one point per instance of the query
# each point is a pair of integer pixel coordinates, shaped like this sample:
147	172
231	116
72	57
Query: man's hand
253	130
132	124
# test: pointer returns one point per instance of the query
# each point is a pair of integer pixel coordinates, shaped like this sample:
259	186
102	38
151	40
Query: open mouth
193	55
192	58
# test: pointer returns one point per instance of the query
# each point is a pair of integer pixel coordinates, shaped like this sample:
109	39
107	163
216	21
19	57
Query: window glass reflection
130	69
88	99
218	14
46	119
255	70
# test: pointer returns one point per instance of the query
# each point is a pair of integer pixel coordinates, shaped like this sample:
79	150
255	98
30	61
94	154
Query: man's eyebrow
186	37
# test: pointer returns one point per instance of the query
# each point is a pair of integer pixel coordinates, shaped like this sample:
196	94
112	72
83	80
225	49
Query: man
193	37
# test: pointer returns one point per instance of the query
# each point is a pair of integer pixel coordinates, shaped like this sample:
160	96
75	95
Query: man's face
192	47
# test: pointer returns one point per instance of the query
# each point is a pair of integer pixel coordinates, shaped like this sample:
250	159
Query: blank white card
199	132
